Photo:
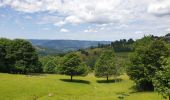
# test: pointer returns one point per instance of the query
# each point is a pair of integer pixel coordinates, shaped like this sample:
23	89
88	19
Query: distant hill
63	45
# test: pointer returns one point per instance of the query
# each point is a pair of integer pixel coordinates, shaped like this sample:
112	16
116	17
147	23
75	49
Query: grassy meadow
58	87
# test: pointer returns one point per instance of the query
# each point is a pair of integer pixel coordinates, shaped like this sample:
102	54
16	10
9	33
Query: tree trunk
169	97
107	78
71	77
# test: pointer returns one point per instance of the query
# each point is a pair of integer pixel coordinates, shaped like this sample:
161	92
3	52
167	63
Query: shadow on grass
75	81
135	89
109	81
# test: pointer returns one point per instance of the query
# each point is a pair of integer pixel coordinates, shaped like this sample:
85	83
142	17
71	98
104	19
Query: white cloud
160	8
73	19
82	11
107	16
168	29
31	6
60	23
64	30
139	32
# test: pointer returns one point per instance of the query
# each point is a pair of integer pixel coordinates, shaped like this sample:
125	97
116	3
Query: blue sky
83	19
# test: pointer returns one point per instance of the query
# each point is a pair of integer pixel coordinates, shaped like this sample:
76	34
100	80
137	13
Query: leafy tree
146	60
162	81
122	45
18	56
6	61
105	66
120	65
50	67
91	58
130	41
83	52
37	68
143	43
20	66
72	65
44	60
2	59
26	55
50	63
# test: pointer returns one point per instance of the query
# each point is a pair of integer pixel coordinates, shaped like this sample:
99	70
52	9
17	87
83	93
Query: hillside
65	45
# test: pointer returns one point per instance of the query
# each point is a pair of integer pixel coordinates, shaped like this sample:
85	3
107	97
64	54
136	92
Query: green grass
56	87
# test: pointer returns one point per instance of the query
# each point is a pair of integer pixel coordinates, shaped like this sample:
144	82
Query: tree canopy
105	65
18	56
72	65
162	80
146	60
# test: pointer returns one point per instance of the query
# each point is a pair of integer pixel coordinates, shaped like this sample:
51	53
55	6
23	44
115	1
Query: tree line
121	45
19	56
72	64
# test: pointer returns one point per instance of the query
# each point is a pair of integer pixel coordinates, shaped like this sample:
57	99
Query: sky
84	19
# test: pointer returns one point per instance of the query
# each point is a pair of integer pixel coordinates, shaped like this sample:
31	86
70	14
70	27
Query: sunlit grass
57	87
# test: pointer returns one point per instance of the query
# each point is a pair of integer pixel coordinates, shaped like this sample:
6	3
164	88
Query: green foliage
162	80
84	52
72	65
25	54
6	61
90	56
50	67
105	65
20	66
143	43
123	45
18	56
50	63
146	60
2	59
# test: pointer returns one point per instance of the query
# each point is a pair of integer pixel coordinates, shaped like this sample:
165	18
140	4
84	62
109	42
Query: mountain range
59	46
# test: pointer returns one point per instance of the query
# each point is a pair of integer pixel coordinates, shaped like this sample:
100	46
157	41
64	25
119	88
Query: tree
18	56
122	45
146	60
26	56
50	63
20	66
6	61
143	43
120	65
2	59
162	81
105	66
50	67
72	65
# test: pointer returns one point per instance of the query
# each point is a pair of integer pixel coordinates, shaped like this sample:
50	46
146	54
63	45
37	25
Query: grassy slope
50	87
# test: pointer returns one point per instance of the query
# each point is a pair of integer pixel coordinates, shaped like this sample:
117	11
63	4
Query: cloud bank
107	16
92	11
